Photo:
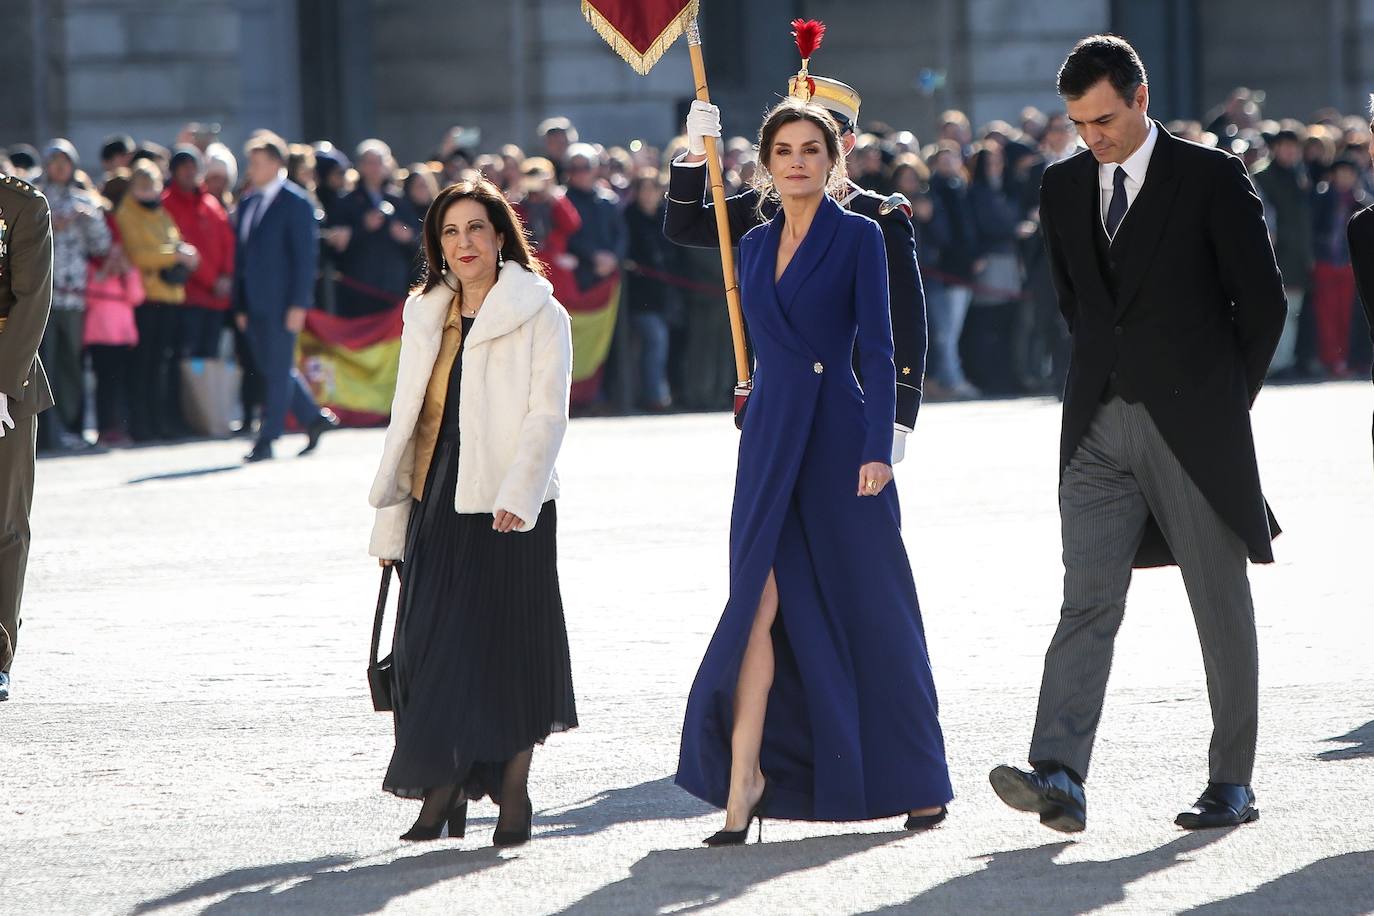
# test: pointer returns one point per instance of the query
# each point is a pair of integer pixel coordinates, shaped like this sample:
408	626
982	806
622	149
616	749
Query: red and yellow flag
350	363
593	312
640	30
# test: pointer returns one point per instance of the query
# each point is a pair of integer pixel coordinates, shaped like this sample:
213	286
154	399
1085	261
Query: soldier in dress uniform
691	221
25	299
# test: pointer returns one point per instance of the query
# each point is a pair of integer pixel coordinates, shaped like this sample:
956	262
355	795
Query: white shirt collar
274	188
1136	165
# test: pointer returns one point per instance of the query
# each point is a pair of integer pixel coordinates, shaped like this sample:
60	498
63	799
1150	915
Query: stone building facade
406	70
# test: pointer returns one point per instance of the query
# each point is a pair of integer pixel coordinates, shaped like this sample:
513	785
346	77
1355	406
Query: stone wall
147	67
406	70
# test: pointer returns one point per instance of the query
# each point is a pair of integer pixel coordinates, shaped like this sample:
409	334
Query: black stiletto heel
739	837
453	824
458	820
503	838
919	822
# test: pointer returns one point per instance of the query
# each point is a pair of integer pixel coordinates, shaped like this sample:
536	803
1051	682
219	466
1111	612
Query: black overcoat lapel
1141	231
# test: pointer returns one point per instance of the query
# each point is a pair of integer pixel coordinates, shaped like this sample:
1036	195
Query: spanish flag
350	363
593	312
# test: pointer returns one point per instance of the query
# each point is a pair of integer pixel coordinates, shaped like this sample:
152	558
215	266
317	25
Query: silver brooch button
818	368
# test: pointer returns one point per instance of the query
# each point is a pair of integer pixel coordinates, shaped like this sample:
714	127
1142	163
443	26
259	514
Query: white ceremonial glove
703	120
6	421
898	444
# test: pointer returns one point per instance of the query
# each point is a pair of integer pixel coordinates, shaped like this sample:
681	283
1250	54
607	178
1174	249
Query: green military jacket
25	295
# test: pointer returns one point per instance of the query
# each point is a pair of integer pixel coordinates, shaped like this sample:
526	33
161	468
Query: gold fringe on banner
641	62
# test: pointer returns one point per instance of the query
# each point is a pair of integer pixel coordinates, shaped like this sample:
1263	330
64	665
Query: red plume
808	33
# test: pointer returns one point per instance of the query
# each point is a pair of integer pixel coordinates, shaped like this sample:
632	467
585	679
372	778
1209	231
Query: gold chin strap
436	393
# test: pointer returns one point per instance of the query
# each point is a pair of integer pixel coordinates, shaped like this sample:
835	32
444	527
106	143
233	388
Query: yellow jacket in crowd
151	240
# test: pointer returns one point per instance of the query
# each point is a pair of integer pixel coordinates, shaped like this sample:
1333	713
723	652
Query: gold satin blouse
436	393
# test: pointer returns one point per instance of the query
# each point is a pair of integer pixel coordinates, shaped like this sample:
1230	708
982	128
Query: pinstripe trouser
1122	473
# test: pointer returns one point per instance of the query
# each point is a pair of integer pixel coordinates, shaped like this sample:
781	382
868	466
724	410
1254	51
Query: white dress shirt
1136	165
264	200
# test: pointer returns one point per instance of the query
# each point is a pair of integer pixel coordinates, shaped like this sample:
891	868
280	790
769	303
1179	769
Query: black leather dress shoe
261	452
327	420
1047	791
4	686
1222	804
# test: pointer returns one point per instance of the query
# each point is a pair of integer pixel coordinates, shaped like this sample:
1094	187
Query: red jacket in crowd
203	223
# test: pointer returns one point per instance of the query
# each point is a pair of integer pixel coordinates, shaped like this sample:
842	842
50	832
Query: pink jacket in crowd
110	304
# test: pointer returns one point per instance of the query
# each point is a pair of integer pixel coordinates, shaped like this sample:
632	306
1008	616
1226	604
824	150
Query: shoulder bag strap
381	612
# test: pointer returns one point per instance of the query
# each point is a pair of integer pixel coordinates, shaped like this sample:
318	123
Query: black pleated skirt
481	648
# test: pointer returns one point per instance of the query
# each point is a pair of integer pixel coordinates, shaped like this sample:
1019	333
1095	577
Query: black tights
515	791
514	798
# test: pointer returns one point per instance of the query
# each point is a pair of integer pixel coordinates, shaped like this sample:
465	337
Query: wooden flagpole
727	254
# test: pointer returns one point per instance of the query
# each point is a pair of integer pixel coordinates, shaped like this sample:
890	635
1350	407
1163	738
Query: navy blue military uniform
690	220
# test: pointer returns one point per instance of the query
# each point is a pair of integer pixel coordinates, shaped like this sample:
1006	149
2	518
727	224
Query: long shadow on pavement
240	878
1028	881
1362	738
1339	886
183	475
358	891
656	800
686	880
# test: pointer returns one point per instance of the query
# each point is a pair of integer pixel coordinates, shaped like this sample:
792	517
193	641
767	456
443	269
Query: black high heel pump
454	823
502	838
919	822
738	837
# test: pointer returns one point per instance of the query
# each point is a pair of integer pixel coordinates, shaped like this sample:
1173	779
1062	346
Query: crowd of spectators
144	252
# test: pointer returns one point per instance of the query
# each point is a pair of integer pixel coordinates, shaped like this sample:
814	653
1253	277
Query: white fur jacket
513	412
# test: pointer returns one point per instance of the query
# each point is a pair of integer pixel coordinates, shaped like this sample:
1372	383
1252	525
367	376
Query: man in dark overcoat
1167	279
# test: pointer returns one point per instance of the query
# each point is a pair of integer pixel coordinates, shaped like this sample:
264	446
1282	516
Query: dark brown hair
790	111
504	220
116	186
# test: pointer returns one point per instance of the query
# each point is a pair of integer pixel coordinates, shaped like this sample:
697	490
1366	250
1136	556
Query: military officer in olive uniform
690	220
25	298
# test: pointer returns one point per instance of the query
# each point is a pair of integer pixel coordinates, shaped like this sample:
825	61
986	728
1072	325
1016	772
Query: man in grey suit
25	299
1164	272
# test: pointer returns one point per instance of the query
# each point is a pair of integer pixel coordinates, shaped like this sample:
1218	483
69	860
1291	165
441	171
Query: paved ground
191	730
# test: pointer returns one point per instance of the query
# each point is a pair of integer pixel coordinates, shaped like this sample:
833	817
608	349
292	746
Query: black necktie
1116	210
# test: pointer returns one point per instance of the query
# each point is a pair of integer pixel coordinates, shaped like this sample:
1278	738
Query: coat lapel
1143	227
516	297
420	337
809	254
759	287
1084	218
260	219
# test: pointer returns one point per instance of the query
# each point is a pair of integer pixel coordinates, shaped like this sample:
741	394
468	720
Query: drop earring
500	260
443	265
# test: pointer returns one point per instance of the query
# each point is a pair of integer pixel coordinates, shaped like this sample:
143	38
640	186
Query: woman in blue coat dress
815	699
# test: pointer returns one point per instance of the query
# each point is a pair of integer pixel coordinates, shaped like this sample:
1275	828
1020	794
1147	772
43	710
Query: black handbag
379	672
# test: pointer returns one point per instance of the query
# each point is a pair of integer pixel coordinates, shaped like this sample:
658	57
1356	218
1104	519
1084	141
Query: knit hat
65	147
23	156
328	160
186	154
